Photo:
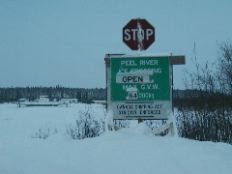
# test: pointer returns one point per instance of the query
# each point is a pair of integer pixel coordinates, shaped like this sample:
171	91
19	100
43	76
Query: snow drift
132	150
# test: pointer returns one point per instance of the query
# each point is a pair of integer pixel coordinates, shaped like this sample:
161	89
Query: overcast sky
50	42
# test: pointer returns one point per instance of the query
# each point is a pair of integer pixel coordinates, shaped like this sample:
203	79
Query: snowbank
133	150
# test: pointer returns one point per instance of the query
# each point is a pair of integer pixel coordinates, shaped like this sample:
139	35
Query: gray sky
50	42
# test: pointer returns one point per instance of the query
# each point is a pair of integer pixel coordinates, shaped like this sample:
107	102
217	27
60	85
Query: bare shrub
206	112
86	126
118	124
211	126
42	133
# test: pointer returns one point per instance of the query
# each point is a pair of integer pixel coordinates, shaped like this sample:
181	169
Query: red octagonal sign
138	34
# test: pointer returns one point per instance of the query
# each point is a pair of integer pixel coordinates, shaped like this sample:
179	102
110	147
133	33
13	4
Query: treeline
189	98
181	98
198	99
13	94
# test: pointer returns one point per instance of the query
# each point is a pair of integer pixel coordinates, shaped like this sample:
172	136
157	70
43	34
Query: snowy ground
129	151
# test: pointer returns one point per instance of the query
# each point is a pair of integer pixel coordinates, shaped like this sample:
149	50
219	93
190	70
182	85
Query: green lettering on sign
140	78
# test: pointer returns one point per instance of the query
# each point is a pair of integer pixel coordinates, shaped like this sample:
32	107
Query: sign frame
149	104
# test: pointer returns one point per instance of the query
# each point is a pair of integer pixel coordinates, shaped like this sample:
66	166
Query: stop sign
138	34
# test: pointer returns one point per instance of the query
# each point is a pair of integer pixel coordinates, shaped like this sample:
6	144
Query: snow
132	150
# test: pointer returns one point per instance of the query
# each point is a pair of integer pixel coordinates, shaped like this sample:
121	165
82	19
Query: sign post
140	87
